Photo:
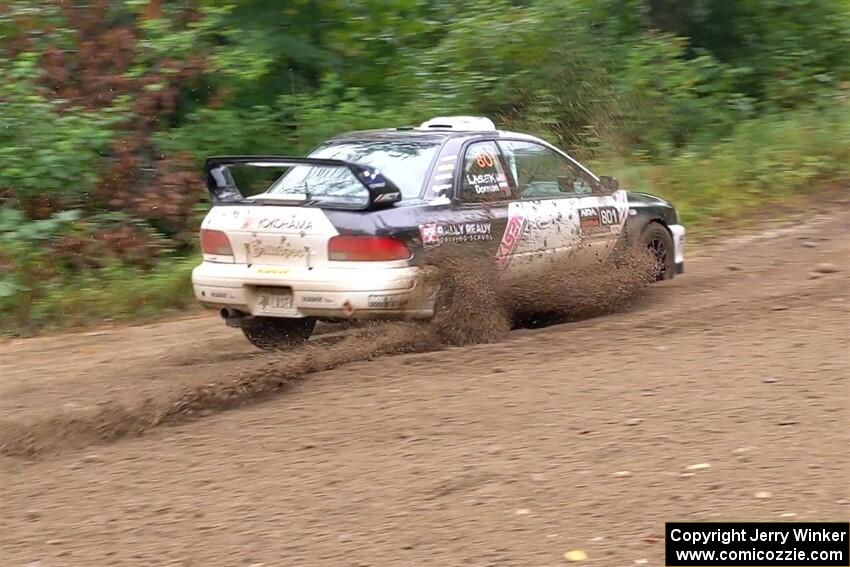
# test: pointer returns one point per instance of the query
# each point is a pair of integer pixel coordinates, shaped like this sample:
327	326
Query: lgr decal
510	239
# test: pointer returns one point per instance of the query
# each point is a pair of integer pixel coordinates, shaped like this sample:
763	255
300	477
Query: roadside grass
768	164
112	294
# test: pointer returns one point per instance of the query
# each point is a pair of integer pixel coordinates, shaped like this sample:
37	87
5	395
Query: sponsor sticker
431	291
513	232
434	234
387	301
441	200
290	223
316	300
428	233
258	249
267	270
384	197
593	219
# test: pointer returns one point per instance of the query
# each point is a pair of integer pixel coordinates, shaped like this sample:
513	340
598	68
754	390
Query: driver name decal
487	182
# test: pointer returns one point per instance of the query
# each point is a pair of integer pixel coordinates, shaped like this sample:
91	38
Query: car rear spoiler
223	189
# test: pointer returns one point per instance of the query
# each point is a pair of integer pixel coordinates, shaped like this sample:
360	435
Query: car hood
646	198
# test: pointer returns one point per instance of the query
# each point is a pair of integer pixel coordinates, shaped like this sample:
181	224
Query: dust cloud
476	304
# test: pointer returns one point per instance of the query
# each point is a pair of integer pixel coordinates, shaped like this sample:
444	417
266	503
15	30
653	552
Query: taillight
215	243
367	249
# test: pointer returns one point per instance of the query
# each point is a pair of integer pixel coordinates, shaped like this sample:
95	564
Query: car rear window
404	162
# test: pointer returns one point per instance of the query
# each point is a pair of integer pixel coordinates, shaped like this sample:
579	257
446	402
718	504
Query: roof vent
468	123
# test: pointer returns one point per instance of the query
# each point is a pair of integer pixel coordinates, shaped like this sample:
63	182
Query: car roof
432	135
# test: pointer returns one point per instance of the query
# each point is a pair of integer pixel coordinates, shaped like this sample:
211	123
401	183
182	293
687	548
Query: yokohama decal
513	232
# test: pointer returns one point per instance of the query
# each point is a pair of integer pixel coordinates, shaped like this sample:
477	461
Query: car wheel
274	333
658	241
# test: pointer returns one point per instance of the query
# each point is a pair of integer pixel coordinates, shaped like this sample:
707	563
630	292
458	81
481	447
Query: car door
484	187
475	219
467	217
563	208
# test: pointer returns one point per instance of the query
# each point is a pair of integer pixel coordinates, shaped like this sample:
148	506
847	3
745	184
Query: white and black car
345	232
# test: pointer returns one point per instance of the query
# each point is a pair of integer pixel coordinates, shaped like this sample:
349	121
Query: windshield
404	163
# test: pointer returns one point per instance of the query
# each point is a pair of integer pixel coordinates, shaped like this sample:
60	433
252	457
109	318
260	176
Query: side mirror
609	184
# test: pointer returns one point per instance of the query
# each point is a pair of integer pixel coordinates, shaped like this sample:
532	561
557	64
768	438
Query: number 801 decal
608	215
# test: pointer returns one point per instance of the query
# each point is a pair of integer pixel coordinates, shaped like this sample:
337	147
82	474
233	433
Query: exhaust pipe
233	317
228	313
348	308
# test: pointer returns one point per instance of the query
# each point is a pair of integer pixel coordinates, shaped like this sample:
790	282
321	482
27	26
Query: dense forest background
107	109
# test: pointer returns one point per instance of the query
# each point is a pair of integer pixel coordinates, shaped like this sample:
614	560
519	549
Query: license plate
273	302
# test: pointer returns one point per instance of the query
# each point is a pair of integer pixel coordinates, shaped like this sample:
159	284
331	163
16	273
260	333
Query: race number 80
484	160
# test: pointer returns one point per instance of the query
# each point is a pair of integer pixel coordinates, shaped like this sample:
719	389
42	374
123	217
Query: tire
275	333
658	241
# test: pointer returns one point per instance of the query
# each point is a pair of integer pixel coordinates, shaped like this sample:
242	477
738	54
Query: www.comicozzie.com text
726	536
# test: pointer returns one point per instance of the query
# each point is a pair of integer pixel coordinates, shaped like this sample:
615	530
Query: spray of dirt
561	291
113	420
470	308
475	305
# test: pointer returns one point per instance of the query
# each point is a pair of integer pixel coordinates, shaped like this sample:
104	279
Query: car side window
484	178
541	172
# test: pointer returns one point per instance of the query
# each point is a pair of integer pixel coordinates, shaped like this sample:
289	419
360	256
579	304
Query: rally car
345	233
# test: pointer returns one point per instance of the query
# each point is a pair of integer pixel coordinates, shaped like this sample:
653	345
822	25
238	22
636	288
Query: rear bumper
334	293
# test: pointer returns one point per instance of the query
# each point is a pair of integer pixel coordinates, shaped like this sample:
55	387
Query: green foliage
108	108
667	100
55	272
25	261
112	294
47	151
331	110
115	293
291	124
225	131
537	67
768	161
789	51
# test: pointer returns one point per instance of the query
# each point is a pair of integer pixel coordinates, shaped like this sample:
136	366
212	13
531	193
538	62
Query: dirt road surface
578	436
